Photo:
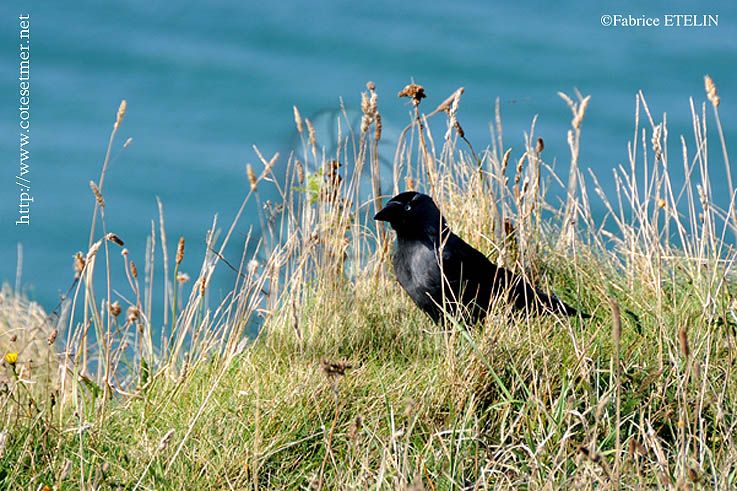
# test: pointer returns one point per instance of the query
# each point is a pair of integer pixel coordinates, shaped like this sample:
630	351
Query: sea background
204	83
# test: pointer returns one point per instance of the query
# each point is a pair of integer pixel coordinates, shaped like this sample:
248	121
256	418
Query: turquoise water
204	84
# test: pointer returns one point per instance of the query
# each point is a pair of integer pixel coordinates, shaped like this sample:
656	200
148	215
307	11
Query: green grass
645	398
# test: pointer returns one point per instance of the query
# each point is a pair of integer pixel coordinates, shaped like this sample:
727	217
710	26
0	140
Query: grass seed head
79	263
115	239
132	314
251	177
115	309
415	92
300	171
683	342
298	120
180	250
711	91
334	369
98	194
311	132
165	441
121	114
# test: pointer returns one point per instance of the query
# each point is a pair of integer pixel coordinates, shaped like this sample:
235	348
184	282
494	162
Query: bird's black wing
479	282
472	279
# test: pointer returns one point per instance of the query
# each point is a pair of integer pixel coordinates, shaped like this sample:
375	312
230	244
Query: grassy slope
516	402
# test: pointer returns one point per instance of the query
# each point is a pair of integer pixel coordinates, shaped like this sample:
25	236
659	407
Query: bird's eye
407	207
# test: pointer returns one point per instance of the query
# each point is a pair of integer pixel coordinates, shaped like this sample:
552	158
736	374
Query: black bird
425	244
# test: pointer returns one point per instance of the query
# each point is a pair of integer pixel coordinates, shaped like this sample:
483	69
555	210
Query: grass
348	385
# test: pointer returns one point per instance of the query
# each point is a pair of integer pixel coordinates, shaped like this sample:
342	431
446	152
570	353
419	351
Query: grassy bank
348	385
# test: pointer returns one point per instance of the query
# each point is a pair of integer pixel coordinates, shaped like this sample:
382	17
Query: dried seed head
636	449
355	428
298	120
134	270
415	92
365	103
132	313
581	111
661	203
251	177
97	193
124	252
505	160
683	342
373	104
371	86
115	309
165	441
300	171
52	336
114	238
378	127
182	278
335	369
180	250
655	140
311	132
121	113
79	263
617	319
252	267
409	183
509	229
711	91
540	146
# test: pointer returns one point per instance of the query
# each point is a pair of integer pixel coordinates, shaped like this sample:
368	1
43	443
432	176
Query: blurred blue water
203	84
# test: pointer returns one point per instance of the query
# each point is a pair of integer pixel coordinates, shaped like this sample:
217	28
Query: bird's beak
389	212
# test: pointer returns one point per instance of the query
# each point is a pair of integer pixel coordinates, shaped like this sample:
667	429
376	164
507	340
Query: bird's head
411	213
